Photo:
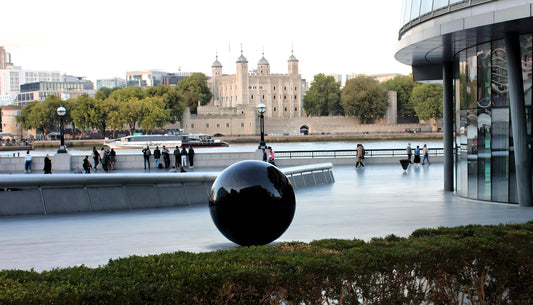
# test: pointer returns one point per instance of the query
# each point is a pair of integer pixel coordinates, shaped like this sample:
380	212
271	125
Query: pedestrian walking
425	153
359	159
112	159
87	165
409	152
96	158
157	156
146	154
265	156
27	162
271	156
417	155
47	165
166	156
105	160
191	156
177	157
183	156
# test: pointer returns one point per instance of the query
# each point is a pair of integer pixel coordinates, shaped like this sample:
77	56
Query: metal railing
350	153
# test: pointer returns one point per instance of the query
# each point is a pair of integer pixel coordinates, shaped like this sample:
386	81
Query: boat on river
168	140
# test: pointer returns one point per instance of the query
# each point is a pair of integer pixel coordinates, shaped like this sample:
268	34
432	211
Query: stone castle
233	108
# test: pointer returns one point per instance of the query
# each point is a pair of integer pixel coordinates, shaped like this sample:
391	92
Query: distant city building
115	82
144	79
5	59
172	79
11	79
384	77
379	77
41	90
337	77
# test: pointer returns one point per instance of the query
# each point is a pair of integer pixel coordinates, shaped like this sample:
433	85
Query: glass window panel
415	9
437	4
406	16
472	149
483	75
425	7
526	55
484	122
456	1
500	154
499	75
471	78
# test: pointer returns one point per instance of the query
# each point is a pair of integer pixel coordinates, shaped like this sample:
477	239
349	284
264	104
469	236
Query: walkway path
373	202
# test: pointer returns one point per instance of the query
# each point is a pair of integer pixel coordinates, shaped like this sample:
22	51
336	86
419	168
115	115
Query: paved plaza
363	203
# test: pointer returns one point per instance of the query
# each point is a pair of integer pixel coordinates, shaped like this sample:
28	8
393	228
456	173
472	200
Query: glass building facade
483	139
487	90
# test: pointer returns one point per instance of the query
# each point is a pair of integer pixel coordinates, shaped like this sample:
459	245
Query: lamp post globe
261	108
61	111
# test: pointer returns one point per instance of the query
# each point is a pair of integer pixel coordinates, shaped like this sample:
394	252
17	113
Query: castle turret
216	71
263	67
242	81
293	64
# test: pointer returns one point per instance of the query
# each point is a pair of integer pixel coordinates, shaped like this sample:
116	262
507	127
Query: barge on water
168	140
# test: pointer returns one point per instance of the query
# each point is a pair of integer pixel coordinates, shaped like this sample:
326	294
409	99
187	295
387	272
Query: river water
292	146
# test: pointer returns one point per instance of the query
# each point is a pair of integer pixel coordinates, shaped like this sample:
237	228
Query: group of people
182	158
416	160
47	163
269	157
106	158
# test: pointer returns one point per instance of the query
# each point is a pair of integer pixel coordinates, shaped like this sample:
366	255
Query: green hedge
472	264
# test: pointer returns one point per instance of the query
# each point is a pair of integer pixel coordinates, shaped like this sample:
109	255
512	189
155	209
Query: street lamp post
261	110
61	111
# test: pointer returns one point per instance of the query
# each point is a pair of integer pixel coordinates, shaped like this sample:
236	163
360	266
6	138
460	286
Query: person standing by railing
27	162
359	158
146	154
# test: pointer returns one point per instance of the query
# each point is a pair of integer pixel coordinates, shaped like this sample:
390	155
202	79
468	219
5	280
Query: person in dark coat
157	156
87	165
96	158
183	156
177	156
166	156
191	157
47	165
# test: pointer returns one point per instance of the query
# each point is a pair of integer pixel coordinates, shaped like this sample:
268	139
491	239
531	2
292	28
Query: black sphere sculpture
252	203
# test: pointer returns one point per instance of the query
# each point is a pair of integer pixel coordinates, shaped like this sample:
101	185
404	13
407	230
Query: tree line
158	106
148	108
367	99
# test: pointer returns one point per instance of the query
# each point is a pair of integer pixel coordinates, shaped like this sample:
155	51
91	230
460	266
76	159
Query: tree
427	101
82	112
155	113
403	85
194	90
364	97
172	99
43	116
323	97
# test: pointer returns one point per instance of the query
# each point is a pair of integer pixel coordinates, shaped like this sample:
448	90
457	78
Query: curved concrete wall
67	193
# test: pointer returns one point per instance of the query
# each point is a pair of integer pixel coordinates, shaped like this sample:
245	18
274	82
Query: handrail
350	153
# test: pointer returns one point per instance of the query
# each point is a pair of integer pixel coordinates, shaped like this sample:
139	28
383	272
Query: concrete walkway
364	203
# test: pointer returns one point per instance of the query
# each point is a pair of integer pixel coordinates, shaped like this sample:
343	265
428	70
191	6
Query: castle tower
216	72
293	64
242	81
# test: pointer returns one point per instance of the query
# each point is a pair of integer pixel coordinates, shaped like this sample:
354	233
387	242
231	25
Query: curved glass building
482	52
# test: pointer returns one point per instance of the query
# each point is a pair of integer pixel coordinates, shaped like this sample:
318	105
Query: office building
481	50
115	82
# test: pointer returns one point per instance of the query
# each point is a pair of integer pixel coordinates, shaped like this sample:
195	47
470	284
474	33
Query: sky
105	39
